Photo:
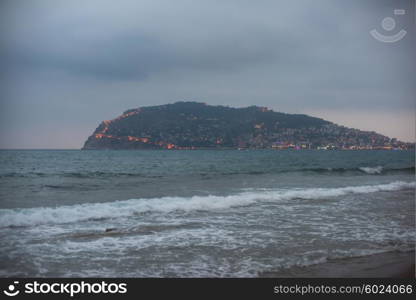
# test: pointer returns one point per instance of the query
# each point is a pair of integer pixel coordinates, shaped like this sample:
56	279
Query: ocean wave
126	208
375	170
358	170
319	170
367	170
96	174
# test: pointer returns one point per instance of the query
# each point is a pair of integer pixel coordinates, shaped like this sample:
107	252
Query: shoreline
220	148
381	265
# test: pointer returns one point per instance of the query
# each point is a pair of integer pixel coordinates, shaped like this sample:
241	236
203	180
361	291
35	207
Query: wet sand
383	265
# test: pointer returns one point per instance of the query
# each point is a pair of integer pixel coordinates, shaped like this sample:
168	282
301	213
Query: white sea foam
369	170
126	208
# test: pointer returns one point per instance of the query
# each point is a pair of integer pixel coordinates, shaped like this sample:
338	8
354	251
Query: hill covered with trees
193	125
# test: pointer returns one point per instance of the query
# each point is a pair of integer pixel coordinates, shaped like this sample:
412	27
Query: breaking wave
126	208
368	170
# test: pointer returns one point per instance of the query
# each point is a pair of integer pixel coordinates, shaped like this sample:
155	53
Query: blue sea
218	213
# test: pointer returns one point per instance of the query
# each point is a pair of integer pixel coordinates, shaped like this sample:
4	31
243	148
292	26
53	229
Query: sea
199	213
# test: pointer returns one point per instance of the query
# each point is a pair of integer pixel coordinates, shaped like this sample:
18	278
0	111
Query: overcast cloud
68	65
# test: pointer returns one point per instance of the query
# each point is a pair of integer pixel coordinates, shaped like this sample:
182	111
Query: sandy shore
383	265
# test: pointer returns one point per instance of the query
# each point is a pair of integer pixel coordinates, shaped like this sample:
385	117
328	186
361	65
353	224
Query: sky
68	65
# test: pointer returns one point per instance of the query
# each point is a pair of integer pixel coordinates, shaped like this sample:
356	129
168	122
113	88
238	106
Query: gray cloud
84	61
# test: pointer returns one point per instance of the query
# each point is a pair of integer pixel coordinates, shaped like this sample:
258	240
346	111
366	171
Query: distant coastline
193	125
227	149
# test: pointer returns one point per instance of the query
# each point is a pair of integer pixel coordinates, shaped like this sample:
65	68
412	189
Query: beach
382	265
